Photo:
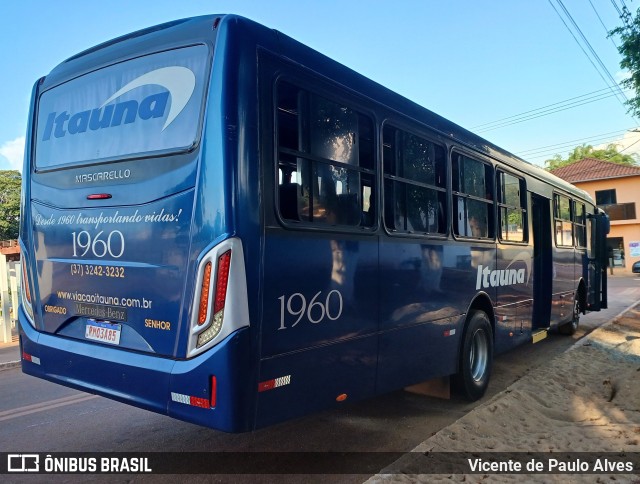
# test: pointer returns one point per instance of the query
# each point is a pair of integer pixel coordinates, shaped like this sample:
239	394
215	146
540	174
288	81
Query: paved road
39	416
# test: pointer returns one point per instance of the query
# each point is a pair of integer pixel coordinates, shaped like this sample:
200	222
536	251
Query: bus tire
571	327
476	358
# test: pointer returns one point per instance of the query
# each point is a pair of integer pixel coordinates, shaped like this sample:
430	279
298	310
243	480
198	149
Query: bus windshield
147	105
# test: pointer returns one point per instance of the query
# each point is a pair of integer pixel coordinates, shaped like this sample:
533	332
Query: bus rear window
148	105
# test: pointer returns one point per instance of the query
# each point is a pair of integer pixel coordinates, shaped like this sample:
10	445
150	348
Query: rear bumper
148	381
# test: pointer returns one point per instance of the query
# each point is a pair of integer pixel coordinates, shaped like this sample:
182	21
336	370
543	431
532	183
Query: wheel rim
479	355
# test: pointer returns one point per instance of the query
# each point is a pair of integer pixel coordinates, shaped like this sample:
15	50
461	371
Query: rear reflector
199	402
31	358
214	390
190	400
275	383
99	196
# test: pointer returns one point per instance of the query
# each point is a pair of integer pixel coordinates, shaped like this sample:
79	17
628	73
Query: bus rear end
134	283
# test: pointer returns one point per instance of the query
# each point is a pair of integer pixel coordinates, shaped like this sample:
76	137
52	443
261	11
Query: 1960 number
99	245
316	310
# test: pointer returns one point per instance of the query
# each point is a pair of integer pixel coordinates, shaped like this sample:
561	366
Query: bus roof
449	129
195	29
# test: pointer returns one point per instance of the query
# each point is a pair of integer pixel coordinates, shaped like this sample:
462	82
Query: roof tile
589	169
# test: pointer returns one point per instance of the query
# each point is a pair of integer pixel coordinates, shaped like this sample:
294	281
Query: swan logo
178	82
486	277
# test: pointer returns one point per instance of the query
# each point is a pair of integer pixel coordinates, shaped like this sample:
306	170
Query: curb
10	364
610	322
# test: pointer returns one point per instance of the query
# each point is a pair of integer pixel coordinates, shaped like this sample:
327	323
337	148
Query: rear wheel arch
482	302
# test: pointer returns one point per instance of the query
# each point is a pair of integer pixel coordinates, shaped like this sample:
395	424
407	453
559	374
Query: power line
569	147
577	42
634	143
615	5
539	109
603	68
623	13
546	112
613	87
602	23
596	137
549	153
625	10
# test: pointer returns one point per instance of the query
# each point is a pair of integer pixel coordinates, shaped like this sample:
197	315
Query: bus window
562	216
579	227
473	197
325	160
415	183
84	121
512	211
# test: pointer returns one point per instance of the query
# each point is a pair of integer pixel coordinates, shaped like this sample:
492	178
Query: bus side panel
315	379
425	290
514	308
320	320
322	289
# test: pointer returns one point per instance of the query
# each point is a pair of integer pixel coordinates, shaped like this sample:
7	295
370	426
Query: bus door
542	261
598	228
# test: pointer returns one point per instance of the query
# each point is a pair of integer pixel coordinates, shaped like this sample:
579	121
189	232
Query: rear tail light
220	305
204	294
222	281
25	283
26	292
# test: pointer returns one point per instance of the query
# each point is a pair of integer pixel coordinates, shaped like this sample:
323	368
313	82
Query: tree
610	153
629	48
10	183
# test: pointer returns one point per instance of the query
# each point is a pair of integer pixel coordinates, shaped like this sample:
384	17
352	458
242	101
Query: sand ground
585	400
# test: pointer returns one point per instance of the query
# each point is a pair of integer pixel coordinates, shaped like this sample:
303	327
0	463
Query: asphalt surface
38	416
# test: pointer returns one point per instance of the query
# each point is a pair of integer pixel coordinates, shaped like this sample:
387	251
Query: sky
479	63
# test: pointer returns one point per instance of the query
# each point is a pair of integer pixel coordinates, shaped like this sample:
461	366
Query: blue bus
223	225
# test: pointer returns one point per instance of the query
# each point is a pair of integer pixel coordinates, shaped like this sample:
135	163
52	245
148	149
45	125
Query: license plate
103	331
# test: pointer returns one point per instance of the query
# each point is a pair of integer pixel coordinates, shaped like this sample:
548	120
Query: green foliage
610	153
629	48
10	184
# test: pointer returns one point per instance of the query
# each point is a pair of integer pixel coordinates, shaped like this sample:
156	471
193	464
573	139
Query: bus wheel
572	326
476	358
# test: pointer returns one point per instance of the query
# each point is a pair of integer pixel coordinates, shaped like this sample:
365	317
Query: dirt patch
585	400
